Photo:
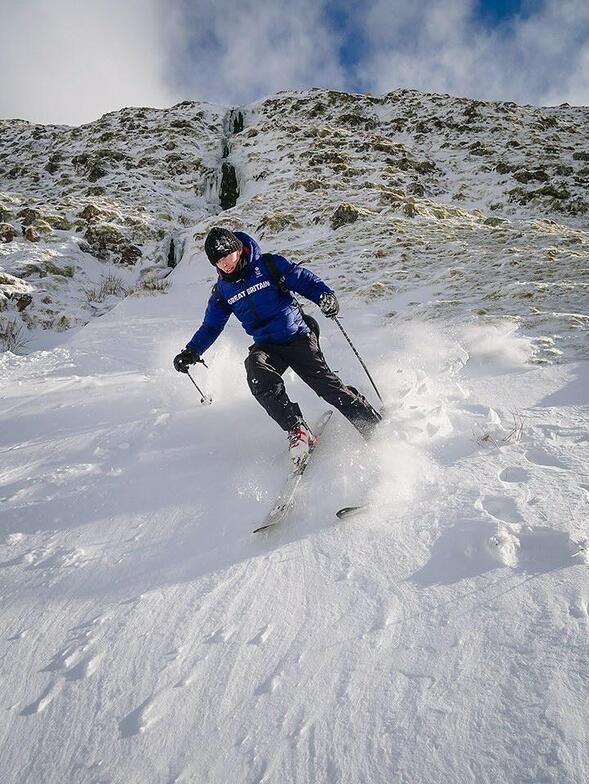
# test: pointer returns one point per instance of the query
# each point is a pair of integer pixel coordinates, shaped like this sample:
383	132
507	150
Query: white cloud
69	61
440	46
236	52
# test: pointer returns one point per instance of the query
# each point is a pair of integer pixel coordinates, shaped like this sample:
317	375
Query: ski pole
345	334
204	399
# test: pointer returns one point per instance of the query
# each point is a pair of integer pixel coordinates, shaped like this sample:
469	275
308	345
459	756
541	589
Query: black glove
185	358
329	305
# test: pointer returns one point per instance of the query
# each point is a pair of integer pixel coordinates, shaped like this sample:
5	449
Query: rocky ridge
425	206
89	213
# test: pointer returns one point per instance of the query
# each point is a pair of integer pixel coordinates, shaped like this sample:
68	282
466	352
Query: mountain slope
89	214
148	636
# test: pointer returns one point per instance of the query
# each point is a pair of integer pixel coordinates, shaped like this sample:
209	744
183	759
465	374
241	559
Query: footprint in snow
469	550
544	549
514	474
502	508
539	457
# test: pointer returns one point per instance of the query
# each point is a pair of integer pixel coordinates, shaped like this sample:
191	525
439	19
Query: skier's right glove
185	358
329	305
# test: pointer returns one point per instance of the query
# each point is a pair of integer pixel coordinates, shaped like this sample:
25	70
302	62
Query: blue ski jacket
266	313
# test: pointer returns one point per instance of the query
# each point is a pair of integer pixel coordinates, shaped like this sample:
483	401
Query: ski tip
347	511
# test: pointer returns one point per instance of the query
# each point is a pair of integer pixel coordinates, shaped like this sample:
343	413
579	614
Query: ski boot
300	441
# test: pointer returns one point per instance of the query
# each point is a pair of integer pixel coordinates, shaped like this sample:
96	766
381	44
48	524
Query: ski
285	500
350	511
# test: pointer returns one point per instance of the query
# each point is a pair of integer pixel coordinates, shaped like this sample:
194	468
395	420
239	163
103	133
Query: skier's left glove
329	305
185	358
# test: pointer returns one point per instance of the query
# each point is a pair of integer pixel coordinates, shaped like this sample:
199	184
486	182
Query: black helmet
220	243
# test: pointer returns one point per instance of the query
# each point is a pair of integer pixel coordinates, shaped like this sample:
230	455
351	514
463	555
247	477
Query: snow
440	635
148	636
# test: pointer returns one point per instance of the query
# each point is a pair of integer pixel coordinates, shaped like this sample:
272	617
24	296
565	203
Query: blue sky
493	11
69	61
343	18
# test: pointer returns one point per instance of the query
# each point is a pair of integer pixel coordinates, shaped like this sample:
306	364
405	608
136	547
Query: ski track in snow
149	637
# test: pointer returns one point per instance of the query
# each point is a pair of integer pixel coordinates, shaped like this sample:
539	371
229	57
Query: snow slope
147	636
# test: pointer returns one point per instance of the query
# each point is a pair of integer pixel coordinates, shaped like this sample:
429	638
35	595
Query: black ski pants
265	365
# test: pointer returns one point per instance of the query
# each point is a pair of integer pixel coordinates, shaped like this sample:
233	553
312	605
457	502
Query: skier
256	288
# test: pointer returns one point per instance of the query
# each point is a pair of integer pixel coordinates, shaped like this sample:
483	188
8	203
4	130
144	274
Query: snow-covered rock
490	197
